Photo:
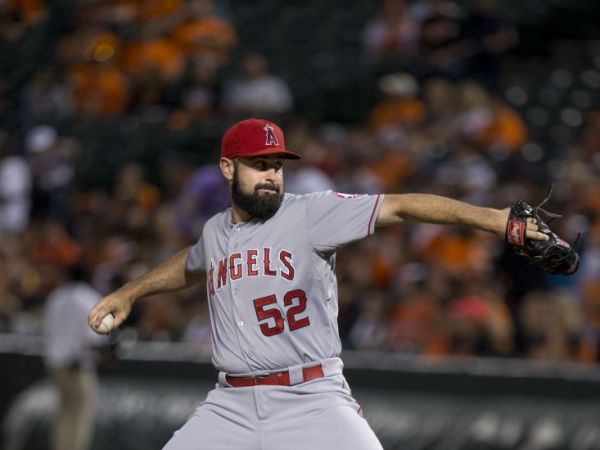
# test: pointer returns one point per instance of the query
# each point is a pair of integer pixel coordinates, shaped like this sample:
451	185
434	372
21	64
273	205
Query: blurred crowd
437	125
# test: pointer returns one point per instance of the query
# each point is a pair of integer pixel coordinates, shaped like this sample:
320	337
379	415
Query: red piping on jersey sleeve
369	233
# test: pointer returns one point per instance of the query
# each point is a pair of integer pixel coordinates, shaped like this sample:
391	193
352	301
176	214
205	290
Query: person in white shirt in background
71	357
255	90
15	189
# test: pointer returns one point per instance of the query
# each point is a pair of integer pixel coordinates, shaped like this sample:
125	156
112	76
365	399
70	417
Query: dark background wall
410	403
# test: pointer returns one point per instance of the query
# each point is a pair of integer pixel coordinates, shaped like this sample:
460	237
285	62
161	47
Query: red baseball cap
254	137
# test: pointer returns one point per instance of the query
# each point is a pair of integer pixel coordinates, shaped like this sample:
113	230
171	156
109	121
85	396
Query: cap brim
270	151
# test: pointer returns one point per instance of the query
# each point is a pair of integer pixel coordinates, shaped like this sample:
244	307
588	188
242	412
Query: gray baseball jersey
271	284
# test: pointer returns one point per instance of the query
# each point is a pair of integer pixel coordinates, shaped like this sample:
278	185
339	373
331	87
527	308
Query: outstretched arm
167	277
398	208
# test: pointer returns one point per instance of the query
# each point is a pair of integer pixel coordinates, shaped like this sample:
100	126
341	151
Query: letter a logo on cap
270	138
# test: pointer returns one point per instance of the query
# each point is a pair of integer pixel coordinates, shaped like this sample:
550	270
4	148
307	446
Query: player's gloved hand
118	304
552	255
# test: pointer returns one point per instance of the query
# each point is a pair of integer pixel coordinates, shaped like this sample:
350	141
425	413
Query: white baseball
106	325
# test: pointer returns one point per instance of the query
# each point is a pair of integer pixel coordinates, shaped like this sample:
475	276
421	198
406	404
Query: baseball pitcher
270	269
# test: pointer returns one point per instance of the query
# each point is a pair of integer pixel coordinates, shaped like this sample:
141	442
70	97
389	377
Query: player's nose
270	175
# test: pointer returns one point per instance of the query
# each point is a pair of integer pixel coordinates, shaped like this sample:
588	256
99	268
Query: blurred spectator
163	230
480	322
198	330
584	155
17	17
488	122
589	346
590	266
88	45
154	62
309	173
204	194
47	96
158	10
369	330
255	91
456	251
135	199
204	35
98	85
52	245
18	282
15	188
415	324
551	324
71	360
399	108
52	159
22	286
175	169
389	38
394	165
6	97
99	90
425	9
441	52
115	255
487	37
201	96
162	14
308	178
467	172
440	98
161	318
352	174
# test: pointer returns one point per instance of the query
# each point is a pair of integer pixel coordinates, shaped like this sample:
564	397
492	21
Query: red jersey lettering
222	281
211	283
235	270
286	258
252	263
267	262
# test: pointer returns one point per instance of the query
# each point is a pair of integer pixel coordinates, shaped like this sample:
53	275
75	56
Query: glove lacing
553	216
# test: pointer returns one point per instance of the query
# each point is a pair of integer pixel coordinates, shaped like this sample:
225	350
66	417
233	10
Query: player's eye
266	165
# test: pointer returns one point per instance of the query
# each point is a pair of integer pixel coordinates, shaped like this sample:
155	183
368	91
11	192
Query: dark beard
259	206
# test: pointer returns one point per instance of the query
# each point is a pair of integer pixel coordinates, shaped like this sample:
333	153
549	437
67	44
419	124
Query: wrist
129	293
498	224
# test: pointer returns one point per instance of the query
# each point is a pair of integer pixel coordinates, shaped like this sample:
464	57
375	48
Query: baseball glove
555	256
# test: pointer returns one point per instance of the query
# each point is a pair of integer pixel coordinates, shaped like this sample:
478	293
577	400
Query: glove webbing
542	203
553	216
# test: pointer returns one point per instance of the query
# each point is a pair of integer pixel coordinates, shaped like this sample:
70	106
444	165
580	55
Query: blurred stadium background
110	117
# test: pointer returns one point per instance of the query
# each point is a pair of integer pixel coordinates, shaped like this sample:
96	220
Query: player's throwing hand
118	304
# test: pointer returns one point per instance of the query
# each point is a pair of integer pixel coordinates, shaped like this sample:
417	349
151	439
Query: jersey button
240	323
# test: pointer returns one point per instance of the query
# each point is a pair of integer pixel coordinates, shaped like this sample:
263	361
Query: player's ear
227	168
